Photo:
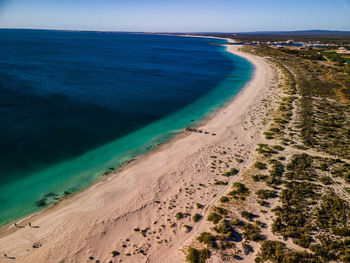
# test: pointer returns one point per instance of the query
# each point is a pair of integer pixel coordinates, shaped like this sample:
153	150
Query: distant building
276	46
343	50
289	41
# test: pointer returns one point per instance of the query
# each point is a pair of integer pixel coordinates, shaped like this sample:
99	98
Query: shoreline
104	177
9	228
102	192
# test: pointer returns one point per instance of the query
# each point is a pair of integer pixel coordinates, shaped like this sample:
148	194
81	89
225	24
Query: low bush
265	193
221	210
115	253
341	231
252	232
208	239
214	217
224	199
233	171
240	191
260	165
326	180
179	216
197	256
247	215
196	217
275	251
199	206
220	183
259	177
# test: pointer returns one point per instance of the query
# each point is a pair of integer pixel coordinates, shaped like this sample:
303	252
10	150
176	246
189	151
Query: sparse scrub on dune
199	206
263	203
265	150
208	239
220	210
265	193
179	215
196	217
220	183
247	215
259	177
214	217
231	172
197	256
188	228
310	210
252	232
224	199
240	191
275	251
260	165
115	253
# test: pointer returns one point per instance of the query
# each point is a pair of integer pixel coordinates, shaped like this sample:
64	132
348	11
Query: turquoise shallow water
212	81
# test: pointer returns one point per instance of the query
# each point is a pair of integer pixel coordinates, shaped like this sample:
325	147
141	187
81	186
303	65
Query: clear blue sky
176	15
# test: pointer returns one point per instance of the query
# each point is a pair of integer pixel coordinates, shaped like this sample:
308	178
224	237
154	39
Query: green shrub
265	150
188	228
265	193
220	210
224	199
263	203
247	215
207	238
214	217
240	191
237	222
326	180
225	230
257	260
269	135
273	181
277	169
199	206
272	250
300	167
179	216
233	171
251	232
341	231
220	183
278	147
275	251
260	165
259	177
197	256
115	253
196	217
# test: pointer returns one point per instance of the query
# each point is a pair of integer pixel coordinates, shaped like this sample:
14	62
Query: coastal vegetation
314	210
196	255
301	172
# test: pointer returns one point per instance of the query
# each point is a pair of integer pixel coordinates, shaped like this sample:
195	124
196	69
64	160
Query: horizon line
175	32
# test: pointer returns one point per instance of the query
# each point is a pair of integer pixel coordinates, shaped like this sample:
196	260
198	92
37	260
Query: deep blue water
75	104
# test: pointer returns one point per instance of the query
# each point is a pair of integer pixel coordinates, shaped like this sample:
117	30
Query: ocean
77	105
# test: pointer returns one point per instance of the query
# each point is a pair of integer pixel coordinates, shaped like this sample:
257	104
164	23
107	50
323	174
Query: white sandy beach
148	193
